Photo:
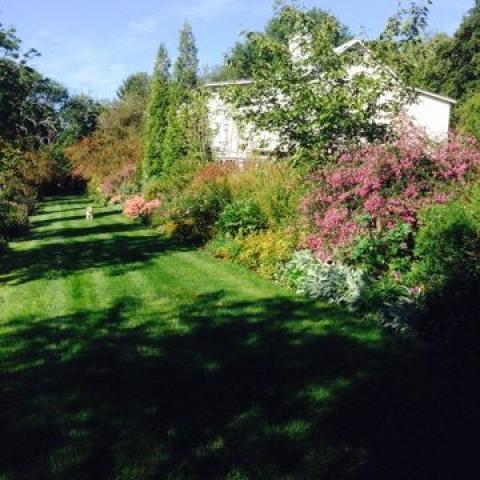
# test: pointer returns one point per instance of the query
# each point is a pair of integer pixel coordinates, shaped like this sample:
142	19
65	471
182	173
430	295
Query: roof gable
354	43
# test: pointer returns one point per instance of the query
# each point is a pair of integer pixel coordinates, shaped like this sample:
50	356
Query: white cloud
146	25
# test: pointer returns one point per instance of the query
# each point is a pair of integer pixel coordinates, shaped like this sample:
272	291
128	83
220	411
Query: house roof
348	45
357	42
339	50
436	96
225	83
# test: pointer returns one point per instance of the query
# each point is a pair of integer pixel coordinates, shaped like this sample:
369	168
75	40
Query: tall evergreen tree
156	121
174	142
186	66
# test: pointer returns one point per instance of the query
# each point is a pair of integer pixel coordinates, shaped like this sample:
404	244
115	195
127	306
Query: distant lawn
123	356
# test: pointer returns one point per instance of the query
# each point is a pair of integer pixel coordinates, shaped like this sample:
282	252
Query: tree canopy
305	94
464	56
136	84
240	60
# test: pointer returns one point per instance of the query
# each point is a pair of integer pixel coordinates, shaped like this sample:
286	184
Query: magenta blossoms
378	186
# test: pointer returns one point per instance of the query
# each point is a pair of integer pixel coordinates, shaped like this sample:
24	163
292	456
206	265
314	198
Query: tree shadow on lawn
117	255
50	204
36	223
231	390
47	211
90	229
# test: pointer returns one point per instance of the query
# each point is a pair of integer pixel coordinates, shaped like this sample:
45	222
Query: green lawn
123	356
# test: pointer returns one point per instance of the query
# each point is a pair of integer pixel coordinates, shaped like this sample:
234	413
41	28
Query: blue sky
92	45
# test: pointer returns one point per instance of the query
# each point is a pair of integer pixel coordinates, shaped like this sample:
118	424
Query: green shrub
392	304
294	271
192	219
446	270
156	188
95	195
3	244
469	116
389	251
13	219
225	248
241	218
28	198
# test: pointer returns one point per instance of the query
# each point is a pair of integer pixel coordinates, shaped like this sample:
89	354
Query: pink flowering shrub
377	187
138	208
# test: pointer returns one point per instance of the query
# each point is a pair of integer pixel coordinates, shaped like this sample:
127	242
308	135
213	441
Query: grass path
125	357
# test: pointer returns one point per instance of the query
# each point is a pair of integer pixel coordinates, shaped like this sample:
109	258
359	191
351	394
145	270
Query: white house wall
229	142
429	111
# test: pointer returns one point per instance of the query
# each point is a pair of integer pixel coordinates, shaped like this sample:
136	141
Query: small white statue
89	213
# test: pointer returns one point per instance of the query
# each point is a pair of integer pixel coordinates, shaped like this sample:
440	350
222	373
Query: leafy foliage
241	218
469	116
308	93
191	218
136	84
409	24
277	188
114	146
462	58
450	65
430	63
446	270
13	219
390	249
240	61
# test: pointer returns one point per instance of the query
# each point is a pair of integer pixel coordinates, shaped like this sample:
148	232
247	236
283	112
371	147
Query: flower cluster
138	207
378	186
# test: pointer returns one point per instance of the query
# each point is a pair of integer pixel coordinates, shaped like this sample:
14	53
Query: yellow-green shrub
275	187
265	252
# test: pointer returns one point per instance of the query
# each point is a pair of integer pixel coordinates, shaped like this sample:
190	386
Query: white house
429	111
